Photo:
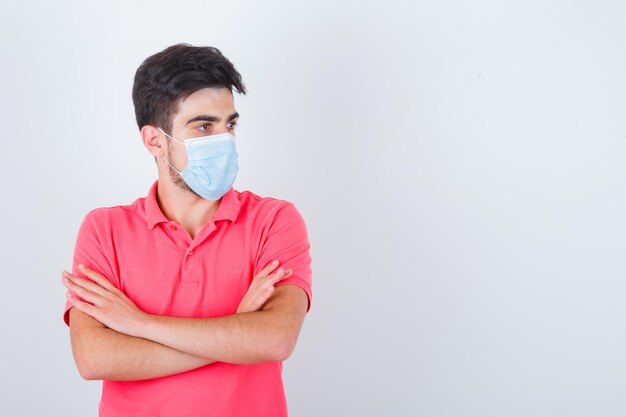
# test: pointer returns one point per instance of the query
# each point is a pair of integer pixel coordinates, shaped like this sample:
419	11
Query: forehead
217	101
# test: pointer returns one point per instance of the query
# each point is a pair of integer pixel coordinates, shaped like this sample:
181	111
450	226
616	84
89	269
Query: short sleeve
88	251
287	240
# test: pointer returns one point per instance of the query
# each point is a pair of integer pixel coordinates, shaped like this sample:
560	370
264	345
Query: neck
184	207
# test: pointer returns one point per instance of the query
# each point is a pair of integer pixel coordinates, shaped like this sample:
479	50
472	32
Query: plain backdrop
459	165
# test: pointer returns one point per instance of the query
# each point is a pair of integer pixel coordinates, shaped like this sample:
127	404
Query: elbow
86	370
85	363
282	350
88	376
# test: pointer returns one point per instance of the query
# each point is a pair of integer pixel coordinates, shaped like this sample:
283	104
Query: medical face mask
211	164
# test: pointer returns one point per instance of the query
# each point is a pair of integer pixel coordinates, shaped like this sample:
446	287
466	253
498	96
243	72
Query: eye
232	125
204	126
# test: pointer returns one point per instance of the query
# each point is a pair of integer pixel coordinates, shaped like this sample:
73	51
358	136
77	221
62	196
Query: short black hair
175	73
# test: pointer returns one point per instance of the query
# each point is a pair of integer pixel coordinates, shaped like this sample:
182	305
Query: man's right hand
262	287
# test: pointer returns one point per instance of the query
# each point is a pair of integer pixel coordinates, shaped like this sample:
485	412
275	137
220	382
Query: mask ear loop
170	136
163	157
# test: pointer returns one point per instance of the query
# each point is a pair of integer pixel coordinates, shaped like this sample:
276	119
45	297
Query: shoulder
266	208
272	216
107	216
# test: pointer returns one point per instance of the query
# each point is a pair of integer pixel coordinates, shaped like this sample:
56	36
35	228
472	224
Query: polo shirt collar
227	210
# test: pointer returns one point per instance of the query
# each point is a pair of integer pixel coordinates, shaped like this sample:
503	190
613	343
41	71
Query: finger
264	273
84	283
82	292
269	268
278	275
81	305
266	294
273	279
98	278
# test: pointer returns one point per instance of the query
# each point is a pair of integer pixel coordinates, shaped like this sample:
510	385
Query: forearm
244	338
110	355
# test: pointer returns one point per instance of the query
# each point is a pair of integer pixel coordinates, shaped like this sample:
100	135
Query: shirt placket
188	248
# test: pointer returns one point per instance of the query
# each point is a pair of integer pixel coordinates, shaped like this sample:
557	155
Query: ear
152	137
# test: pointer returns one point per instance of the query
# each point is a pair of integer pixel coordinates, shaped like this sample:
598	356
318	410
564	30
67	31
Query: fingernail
280	270
275	261
81	266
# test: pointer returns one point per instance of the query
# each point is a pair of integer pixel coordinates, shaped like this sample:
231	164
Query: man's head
187	92
169	76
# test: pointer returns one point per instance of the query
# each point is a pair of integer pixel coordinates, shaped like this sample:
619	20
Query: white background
460	167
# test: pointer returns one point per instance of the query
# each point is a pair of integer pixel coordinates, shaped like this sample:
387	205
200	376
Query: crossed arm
132	345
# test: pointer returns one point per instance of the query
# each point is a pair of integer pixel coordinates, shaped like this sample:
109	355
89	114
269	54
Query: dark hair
175	73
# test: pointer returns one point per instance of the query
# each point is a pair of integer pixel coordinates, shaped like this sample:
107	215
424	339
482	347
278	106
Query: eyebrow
210	118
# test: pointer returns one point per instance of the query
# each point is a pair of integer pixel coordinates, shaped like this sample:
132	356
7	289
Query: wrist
144	324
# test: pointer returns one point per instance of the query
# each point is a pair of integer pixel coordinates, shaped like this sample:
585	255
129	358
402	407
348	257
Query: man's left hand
105	303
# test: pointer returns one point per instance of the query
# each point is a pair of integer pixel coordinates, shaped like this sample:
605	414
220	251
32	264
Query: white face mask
211	164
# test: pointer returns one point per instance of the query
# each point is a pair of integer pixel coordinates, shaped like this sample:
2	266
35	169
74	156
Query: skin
177	201
113	339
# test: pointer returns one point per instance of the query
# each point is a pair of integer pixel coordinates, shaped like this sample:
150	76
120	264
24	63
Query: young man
179	308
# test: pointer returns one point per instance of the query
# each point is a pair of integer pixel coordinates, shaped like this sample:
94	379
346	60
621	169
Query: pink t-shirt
163	271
